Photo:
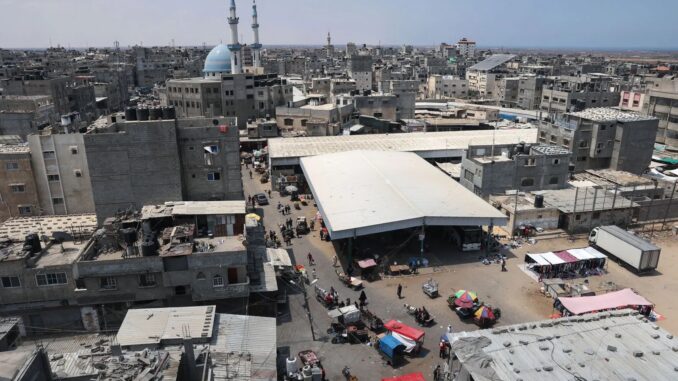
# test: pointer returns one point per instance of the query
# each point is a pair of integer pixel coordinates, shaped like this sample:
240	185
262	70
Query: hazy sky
507	23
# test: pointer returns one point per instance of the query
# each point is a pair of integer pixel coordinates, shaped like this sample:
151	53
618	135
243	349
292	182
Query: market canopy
404	330
367	192
612	300
406	377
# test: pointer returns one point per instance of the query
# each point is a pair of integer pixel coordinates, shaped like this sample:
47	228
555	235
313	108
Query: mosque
228	87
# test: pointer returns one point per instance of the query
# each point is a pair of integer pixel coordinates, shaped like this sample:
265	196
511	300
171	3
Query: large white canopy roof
367	192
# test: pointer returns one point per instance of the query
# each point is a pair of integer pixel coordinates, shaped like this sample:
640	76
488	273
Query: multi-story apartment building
360	70
25	114
663	104
604	138
18	193
466	48
485	76
446	87
565	94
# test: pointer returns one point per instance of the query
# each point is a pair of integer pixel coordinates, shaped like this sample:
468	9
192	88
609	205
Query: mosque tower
256	47
234	46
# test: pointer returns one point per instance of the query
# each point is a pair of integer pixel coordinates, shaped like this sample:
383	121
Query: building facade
18	193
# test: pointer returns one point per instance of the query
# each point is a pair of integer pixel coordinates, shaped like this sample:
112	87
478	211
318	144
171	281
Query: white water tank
291	365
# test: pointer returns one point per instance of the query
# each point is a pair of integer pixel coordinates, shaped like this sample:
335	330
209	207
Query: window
52	177
527	182
108	283
213	176
468	175
74	150
24	210
556	161
51	279
12	166
48	154
211	148
595	215
530	162
566	142
147	280
583	144
218	281
17	188
553	180
577	217
288	122
581	158
10	281
77	173
57	201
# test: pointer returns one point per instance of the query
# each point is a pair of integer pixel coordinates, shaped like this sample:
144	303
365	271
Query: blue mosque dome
218	61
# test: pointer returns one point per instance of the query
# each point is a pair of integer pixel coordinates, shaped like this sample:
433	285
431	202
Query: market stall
565	264
410	337
615	300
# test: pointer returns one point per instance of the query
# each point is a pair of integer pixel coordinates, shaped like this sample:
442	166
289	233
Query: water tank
169	112
155	113
571	167
291	365
130	113
148	248
142	114
316	373
33	240
521	147
539	201
129	236
527	148
306	373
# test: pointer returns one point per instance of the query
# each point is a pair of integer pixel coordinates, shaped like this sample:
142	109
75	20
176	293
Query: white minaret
256	47
234	46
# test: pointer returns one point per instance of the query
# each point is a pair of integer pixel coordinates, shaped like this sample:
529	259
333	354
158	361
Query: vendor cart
373	321
349	281
392	350
326	298
430	288
302	226
398	269
368	269
347	325
311	359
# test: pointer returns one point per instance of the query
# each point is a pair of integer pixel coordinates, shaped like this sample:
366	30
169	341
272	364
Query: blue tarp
389	345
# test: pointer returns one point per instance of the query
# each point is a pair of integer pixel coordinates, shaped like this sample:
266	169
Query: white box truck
627	247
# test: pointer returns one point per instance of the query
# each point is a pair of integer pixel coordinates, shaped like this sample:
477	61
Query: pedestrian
436	373
279	205
448	348
312	224
441	351
315	275
503	264
335	260
400	290
269	193
249	199
357	306
349	270
250	173
362	298
348	301
311	261
332	291
449	328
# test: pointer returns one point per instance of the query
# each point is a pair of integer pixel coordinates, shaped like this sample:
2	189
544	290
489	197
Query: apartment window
201	276
12	166
57	201
24	210
108	283
74	150
603	127
213	176
553	180
566	142
581	158
527	182
51	279
583	144
52	177
77	173
288	122
218	281
208	90
577	217
17	188
147	280
10	282
542	134
595	215
530	162
48	154
468	175
250	96
211	148
555	161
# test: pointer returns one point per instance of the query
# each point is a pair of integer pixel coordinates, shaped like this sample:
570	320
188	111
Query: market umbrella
253	216
485	313
465	299
291	188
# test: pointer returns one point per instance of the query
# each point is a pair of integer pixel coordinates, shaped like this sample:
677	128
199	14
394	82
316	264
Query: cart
398	269
311	359
373	321
326	298
368	269
430	288
349	281
302	226
348	327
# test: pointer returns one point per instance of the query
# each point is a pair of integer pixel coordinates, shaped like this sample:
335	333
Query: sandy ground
517	294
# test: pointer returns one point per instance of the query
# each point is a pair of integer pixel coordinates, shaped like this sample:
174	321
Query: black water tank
33	240
155	113
142	114
129	236
149	248
169	112
130	113
571	168
539	201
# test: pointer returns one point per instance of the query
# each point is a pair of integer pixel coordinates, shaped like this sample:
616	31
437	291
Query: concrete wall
12	199
379	106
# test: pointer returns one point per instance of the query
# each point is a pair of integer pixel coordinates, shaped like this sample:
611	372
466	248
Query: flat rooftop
426	144
193	208
617	345
367	192
585	200
325	107
152	327
53	254
11	148
606	114
18	228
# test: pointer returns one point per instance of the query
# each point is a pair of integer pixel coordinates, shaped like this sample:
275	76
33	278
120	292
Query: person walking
311	261
269	193
335	260
441	349
436	373
250	173
503	264
312	224
399	291
362	298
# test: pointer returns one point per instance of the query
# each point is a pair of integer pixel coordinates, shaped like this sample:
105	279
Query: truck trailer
627	247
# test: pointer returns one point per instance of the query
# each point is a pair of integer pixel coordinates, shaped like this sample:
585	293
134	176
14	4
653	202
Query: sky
586	24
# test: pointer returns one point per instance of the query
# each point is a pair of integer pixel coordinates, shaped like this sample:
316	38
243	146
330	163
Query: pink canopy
612	300
567	257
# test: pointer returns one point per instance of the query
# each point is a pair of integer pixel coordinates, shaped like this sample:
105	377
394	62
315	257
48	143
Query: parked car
261	199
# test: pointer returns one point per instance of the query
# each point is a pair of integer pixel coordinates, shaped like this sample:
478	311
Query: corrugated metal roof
492	62
618	345
249	338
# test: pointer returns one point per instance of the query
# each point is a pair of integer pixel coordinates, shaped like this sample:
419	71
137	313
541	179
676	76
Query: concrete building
633	101
447	87
406	94
18	193
466	48
36	84
327	119
603	138
359	69
576	93
133	163
485	76
663	104
487	170
25	114
61	173
530	91
382	106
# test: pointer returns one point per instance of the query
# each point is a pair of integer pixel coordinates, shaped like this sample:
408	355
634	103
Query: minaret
329	45
256	47
234	46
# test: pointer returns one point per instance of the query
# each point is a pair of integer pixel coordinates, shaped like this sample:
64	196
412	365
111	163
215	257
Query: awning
567	257
367	263
581	254
595	253
538	259
404	329
406	341
406	377
553	258
612	300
